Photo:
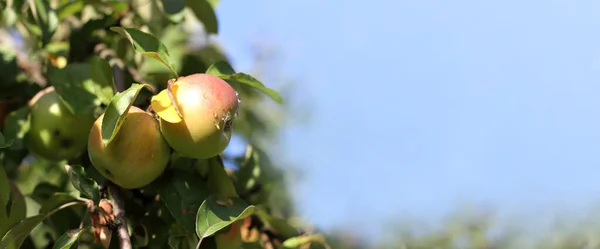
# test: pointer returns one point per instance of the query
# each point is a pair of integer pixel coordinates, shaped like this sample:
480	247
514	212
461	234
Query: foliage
102	57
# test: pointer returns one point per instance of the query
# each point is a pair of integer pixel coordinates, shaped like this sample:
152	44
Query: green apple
136	156
208	107
18	210
56	133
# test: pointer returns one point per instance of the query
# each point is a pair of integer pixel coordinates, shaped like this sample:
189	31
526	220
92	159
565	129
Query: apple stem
119	209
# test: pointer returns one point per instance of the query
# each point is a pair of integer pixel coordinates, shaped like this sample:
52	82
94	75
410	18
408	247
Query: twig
114	190
119	209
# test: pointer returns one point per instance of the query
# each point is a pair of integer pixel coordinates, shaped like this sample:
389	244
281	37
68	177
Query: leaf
177	241
146	44
4	143
67	240
280	225
295	242
4	190
70	8
14	238
248	175
205	13
116	110
46	19
227	73
251	81
174	9
213	217
221	186
85	185
102	75
17	234
75	86
220	68
182	193
164	107
16	127
213	3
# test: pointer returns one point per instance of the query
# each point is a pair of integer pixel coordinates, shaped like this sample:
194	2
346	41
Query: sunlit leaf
46	18
69	238
295	242
116	110
213	216
102	75
226	72
146	44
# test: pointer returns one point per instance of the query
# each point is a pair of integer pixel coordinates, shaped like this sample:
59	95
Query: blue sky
420	106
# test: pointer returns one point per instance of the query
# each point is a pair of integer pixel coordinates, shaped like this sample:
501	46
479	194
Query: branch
119	209
114	190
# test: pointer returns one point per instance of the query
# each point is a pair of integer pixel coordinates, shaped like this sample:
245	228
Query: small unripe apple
136	156
18	210
55	132
208	107
230	239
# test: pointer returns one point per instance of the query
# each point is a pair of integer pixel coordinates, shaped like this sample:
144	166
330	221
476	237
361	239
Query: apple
55	132
18	210
208	107
231	238
136	156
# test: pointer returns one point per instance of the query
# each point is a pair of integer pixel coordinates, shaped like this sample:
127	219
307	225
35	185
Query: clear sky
421	105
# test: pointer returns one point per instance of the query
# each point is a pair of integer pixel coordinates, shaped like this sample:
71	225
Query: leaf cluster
102	57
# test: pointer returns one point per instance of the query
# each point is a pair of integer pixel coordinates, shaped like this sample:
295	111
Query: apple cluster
140	151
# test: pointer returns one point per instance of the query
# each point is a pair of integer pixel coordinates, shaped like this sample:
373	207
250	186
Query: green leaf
70	8
220	68
205	13
226	72
116	110
146	44
85	185
17	234
174	9
213	217
46	19
221	186
4	143
243	78
177	241
67	240
75	86
5	192
182	193
213	3
14	238
295	242
248	175
280	225
102	75
16	127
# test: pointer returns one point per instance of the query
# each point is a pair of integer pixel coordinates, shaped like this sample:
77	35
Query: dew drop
205	95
